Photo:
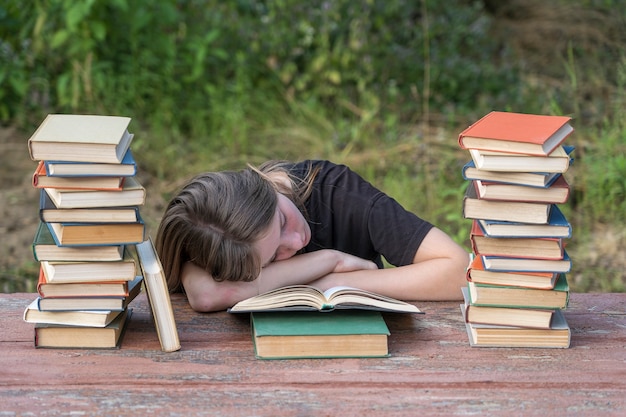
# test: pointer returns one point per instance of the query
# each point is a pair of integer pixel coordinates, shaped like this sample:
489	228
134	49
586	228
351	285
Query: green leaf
63	83
59	39
99	30
219	53
211	36
333	76
75	14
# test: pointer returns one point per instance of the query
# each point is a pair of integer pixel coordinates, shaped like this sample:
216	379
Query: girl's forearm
308	267
205	294
434	280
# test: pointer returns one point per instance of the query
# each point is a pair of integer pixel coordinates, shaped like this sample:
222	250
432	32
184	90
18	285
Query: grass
21	279
209	94
422	170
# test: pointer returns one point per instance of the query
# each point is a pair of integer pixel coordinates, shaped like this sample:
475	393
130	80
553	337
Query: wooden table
431	371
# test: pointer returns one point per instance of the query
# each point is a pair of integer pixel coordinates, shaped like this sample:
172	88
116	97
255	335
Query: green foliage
208	68
602	184
383	85
21	279
175	64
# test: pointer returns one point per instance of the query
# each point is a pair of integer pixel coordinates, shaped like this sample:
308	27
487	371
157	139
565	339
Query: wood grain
431	371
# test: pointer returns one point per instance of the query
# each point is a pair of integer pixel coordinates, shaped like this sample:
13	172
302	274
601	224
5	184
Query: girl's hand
349	263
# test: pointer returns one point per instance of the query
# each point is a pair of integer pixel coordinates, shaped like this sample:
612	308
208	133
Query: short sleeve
349	214
395	232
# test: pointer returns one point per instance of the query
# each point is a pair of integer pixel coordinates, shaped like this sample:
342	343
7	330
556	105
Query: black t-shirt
348	214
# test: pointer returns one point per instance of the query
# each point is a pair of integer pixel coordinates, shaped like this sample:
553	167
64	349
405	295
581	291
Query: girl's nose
290	244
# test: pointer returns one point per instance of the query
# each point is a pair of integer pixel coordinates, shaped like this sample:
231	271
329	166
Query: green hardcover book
520	297
336	334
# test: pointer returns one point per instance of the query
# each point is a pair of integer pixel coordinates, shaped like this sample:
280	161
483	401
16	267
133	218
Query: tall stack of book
517	284
89	224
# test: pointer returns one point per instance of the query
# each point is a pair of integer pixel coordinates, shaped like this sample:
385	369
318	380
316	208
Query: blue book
99	234
48	212
557	227
126	168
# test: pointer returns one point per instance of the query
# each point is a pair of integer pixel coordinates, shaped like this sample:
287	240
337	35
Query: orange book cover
543	280
520	133
42	180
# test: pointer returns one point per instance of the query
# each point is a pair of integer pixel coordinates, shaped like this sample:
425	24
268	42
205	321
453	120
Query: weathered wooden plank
432	369
276	400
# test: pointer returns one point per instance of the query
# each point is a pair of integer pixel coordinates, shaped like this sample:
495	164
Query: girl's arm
205	294
437	273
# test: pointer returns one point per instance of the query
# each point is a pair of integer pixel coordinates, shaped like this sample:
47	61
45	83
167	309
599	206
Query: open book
305	297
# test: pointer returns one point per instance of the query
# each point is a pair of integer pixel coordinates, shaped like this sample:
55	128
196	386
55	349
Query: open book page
305	297
297	297
348	297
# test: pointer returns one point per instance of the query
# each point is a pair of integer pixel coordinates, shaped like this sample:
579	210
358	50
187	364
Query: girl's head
231	224
213	222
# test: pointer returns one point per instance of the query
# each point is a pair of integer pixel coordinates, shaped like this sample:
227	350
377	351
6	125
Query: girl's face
287	234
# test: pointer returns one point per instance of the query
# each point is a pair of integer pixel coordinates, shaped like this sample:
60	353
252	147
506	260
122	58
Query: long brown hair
216	217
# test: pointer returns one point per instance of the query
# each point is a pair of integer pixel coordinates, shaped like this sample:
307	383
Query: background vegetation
382	85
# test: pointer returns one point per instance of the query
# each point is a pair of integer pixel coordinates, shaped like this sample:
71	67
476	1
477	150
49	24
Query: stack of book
517	284
89	225
300	321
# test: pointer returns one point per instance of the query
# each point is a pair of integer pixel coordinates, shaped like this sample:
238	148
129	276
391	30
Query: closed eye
281	221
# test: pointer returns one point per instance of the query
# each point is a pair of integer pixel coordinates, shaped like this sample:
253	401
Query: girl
230	235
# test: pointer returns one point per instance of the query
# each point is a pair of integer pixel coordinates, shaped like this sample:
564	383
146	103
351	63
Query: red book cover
42	180
529	134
